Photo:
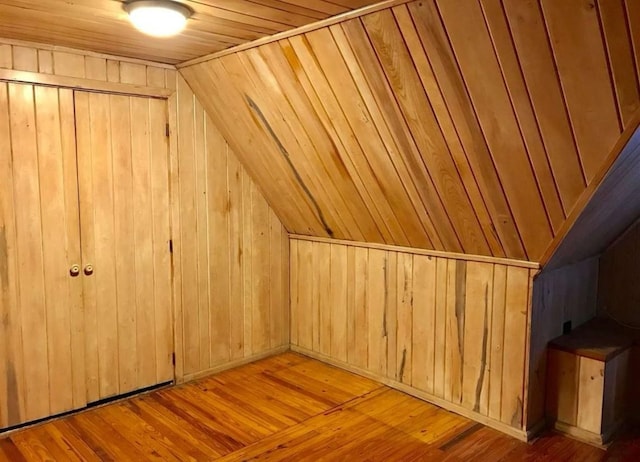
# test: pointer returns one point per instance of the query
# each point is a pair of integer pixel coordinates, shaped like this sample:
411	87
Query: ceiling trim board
417	251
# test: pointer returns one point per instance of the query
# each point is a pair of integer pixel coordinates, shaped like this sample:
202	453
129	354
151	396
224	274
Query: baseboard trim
232	364
519	434
602	440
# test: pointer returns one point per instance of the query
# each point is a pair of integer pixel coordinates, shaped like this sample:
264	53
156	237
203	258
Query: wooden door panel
124	203
41	335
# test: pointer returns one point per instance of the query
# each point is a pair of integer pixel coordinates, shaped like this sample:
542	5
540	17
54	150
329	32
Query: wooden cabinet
587	381
85	271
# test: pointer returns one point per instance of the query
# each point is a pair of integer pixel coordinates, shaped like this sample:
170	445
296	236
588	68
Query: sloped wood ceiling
103	26
457	125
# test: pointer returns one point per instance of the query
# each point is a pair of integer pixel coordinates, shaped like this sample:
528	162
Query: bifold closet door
42	364
124	214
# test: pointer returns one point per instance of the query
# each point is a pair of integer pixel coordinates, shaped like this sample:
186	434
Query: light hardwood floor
287	407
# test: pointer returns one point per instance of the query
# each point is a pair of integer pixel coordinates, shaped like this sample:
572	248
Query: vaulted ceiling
458	125
102	25
474	126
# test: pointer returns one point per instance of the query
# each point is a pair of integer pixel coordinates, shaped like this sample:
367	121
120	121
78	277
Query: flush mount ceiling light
159	18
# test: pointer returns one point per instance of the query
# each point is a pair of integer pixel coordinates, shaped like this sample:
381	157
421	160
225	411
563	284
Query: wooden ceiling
102	26
420	126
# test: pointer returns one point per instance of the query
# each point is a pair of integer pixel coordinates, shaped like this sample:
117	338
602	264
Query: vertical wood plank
12	396
247	262
456	303
236	287
69	64
162	277
25	59
58	288
377	306
440	328
515	328
305	294
188	223
95	68
122	246
30	256
424	299
361	303
276	296
6	56
113	70
294	293
218	241
475	373
338	302
143	226
497	344
260	271
321	311
404	304
201	245
45	62
590	395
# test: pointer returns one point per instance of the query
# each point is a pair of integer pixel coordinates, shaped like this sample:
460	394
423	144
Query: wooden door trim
34	78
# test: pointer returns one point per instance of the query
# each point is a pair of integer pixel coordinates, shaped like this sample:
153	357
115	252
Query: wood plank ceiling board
419	126
102	25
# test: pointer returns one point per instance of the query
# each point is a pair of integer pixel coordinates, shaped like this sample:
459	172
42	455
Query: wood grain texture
294	408
236	285
586	398
230	251
103	26
42	348
123	179
417	126
561	295
427	322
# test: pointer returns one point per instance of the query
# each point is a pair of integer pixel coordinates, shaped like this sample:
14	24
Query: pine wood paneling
42	363
103	26
230	252
123	178
230	298
415	125
453	330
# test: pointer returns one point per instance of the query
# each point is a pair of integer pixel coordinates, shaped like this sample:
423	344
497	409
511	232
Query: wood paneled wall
564	294
84	65
619	286
422	127
230	252
452	331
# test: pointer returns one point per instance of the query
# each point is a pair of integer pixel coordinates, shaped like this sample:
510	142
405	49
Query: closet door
41	321
124	213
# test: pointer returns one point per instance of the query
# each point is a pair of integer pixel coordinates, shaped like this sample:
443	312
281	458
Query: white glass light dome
158	18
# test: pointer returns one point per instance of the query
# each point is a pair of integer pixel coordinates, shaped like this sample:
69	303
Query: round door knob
88	270
74	270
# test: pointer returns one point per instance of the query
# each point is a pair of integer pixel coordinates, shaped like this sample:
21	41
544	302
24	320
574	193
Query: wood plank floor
288	407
